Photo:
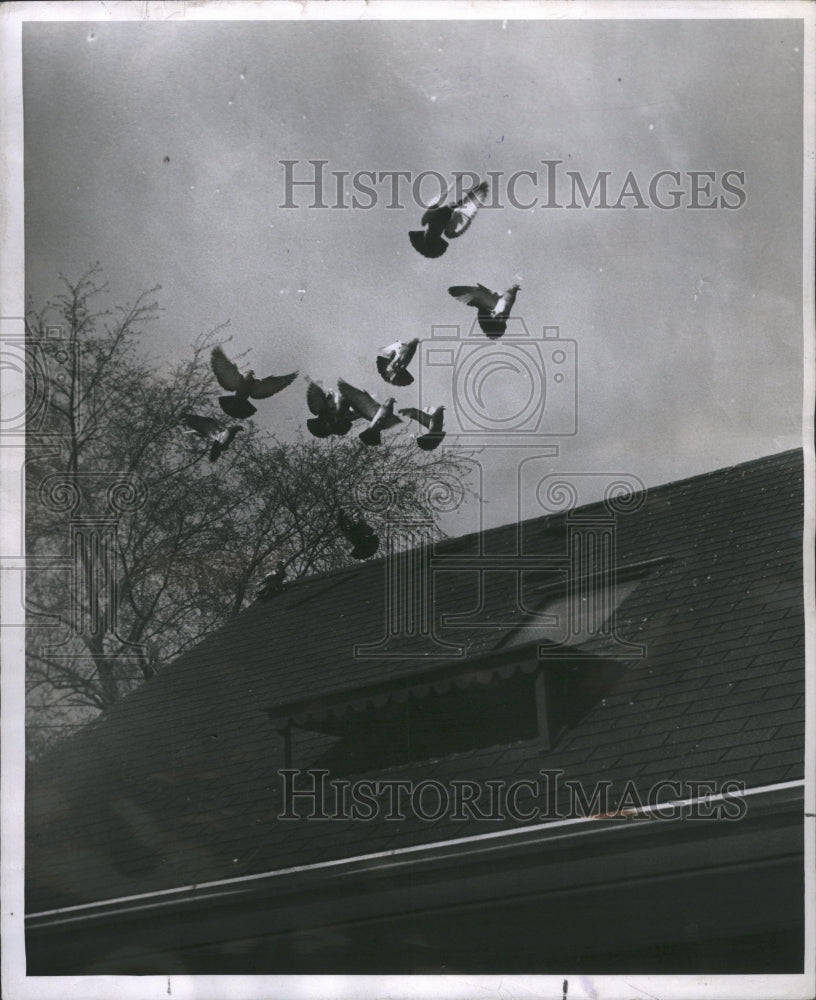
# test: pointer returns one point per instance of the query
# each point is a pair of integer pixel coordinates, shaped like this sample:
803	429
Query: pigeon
379	415
273	582
450	219
393	361
361	535
494	309
332	413
431	417
212	431
244	385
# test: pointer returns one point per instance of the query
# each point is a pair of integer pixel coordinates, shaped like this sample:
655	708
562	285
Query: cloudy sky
156	149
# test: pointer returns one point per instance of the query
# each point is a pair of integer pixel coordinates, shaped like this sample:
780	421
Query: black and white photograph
407	445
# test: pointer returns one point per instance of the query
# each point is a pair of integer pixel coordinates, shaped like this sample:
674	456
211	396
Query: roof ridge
672	484
445	543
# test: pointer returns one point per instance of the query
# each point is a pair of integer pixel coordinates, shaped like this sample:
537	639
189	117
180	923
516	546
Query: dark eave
606	850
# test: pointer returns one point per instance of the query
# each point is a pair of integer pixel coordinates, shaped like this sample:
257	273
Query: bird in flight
393	361
432	418
361	535
493	309
332	413
273	582
244	386
212	431
380	416
449	219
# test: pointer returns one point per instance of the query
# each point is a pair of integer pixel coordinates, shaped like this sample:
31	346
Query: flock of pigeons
334	411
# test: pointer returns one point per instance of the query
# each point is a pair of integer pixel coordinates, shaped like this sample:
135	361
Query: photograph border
12	553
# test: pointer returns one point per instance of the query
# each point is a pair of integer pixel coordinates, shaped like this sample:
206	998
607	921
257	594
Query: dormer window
556	656
488	711
513	698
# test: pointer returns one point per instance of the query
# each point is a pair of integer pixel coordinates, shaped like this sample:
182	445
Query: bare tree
138	545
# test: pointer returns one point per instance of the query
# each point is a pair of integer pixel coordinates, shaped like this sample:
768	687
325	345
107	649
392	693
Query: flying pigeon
361	535
450	219
212	431
393	361
273	582
243	386
431	417
379	415
494	309
332	413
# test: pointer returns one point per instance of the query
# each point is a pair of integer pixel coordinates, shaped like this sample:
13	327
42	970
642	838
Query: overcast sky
155	149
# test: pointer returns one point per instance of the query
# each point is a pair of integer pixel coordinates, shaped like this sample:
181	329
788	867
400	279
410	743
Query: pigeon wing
315	398
345	413
419	415
382	366
475	295
464	212
226	371
430	212
359	400
201	425
263	388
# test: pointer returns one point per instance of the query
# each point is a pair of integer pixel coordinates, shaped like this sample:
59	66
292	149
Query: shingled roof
693	671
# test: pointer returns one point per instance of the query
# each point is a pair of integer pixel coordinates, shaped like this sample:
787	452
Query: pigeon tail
494	328
366	548
371	436
427	442
401	377
427	247
235	407
319	427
